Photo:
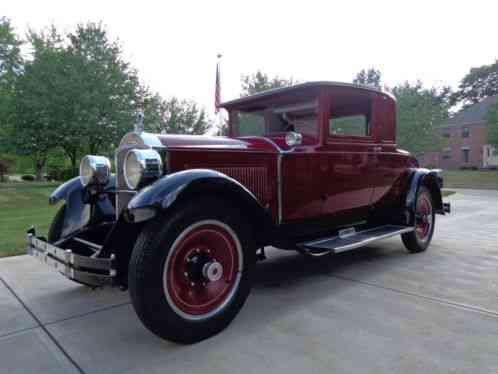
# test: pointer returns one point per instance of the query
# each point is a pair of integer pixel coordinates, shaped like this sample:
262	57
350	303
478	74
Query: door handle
377	149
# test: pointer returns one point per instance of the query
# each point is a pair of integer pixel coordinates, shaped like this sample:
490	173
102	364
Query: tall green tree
420	113
371	77
108	96
40	103
174	116
77	93
10	67
492	117
477	84
260	81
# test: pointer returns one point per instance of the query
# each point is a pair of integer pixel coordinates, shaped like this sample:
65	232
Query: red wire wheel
202	270
423	223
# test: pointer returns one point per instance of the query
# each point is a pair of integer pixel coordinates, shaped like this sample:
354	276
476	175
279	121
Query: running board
349	239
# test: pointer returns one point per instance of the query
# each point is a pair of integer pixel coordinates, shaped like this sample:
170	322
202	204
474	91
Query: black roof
298	87
474	114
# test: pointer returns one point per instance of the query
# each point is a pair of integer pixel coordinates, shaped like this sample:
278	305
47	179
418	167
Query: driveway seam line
20	331
49	334
87	313
454	304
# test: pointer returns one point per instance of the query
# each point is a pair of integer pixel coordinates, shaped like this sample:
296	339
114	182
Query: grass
478	179
23	205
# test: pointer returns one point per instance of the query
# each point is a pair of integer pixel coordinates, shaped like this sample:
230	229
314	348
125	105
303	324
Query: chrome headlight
141	166
94	170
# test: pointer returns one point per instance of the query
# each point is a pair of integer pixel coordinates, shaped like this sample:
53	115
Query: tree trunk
39	164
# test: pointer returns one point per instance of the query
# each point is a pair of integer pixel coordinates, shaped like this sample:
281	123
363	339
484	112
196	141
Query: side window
355	125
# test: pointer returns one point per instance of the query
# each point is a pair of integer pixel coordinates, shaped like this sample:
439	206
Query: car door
348	160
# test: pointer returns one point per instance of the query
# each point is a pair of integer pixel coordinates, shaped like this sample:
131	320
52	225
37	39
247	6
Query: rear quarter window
356	125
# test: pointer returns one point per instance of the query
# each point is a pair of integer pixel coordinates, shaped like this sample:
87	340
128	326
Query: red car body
314	168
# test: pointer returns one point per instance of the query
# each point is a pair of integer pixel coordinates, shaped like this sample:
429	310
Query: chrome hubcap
212	271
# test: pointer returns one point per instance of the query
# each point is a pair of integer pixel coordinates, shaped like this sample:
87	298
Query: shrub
28	178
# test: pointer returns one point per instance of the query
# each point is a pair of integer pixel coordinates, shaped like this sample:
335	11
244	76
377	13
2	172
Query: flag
217	90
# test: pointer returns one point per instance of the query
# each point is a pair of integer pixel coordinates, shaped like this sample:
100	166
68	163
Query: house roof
472	115
300	87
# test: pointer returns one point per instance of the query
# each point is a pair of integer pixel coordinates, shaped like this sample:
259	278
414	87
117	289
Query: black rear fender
432	180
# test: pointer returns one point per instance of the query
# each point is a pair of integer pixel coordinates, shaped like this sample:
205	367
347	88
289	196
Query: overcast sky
173	44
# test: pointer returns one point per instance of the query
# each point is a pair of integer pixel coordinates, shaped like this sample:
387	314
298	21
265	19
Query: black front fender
171	188
78	209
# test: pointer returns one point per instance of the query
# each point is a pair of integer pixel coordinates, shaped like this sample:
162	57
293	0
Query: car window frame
334	138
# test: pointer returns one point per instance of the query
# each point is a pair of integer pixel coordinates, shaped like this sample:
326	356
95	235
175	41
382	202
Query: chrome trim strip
372	239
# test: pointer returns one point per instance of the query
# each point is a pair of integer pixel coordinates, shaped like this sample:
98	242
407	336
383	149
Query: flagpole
218	110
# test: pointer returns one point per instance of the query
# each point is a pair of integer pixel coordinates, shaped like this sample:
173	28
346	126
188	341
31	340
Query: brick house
466	133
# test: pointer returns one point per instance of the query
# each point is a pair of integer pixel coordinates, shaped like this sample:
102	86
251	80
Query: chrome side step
346	241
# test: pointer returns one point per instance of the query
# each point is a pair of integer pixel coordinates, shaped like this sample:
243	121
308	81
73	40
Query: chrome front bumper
91	271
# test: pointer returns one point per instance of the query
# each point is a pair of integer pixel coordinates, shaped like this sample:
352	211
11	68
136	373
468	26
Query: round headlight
94	170
140	166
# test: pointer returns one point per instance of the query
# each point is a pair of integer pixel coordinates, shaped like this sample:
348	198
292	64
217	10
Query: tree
260	81
478	84
420	113
10	52
492	118
174	116
40	103
371	77
10	67
108	97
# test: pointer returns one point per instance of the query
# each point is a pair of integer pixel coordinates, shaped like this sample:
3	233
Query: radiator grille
254	178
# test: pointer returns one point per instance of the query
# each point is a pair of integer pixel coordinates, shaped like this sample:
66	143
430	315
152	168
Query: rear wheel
425	219
190	272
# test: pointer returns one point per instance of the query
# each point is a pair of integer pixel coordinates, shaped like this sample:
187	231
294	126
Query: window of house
447	153
465	132
465	155
446	134
356	125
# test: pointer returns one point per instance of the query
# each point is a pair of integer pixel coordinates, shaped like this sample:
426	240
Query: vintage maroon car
312	168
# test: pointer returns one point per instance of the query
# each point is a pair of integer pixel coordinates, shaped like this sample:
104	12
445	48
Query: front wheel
425	220
190	272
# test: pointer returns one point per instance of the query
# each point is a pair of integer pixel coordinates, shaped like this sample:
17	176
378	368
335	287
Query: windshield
301	118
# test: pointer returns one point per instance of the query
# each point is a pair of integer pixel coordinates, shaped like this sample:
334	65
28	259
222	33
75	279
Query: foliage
420	112
492	117
76	94
106	101
10	67
260	81
10	52
40	103
371	77
478	83
174	116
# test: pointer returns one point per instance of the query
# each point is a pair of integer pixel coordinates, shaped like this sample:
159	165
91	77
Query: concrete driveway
374	310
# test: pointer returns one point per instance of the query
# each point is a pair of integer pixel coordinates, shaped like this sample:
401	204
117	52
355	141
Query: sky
173	44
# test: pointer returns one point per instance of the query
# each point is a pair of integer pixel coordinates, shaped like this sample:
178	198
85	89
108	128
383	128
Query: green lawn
471	179
22	205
